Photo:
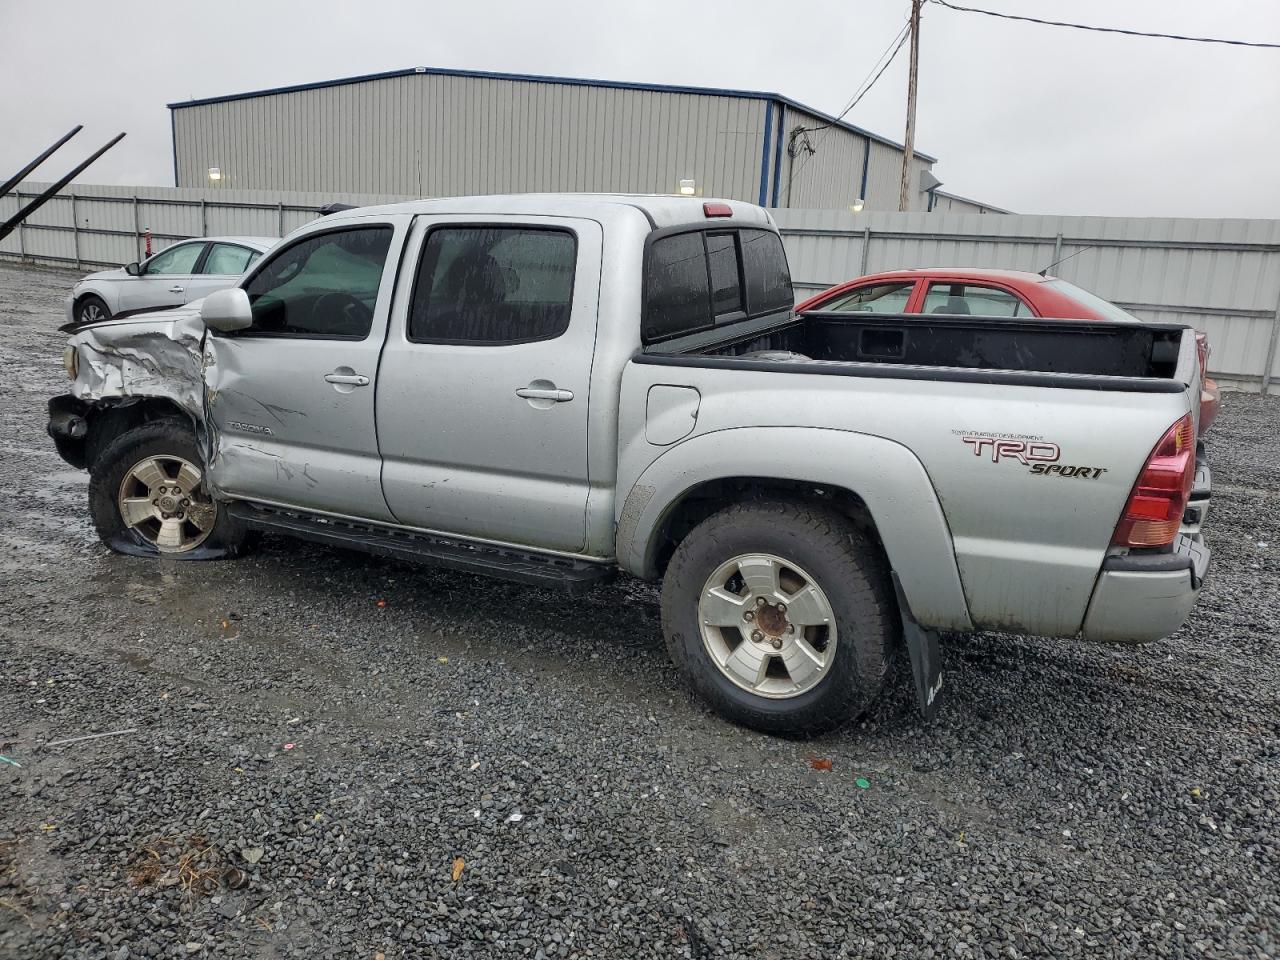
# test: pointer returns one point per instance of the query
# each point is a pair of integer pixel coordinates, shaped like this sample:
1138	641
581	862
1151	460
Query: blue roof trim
777	153
764	153
173	137
563	81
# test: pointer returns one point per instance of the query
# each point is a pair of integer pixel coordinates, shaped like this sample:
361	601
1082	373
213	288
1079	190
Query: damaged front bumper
69	428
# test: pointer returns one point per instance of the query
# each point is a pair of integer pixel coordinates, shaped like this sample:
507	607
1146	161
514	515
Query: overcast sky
1037	119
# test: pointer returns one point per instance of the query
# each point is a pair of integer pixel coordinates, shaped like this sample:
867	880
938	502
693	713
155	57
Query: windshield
1091	300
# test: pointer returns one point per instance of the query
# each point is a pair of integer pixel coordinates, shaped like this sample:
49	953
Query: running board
507	563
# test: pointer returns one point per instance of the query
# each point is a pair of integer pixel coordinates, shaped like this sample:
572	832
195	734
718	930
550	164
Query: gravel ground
482	770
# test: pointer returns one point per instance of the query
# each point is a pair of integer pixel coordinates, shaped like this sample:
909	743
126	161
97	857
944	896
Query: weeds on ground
193	863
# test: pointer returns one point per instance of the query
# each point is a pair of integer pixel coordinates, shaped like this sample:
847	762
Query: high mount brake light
717	210
1154	511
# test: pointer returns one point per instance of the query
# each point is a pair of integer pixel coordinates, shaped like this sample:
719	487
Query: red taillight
717	210
1154	512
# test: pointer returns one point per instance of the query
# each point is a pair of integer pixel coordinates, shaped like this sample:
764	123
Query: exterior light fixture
215	174
688	188
856	206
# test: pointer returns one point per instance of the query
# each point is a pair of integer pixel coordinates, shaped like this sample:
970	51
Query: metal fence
1221	276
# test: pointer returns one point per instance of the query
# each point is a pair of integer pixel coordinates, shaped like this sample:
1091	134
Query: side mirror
227	310
133	269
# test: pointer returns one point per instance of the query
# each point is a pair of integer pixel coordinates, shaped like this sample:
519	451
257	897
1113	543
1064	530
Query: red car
989	293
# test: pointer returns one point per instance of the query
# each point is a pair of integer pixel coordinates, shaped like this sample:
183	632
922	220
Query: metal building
426	132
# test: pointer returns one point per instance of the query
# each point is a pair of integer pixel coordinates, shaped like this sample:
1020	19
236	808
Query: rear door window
493	285
972	299
228	259
874	298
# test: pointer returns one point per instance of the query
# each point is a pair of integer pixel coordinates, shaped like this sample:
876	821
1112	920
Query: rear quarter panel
1027	545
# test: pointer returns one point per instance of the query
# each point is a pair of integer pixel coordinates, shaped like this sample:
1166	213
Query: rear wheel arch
712	496
877	482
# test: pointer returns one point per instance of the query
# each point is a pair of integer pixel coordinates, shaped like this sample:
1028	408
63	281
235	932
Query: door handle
545	393
353	379
175	289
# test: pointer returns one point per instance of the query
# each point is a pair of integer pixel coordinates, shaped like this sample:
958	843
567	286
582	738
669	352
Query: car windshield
1092	301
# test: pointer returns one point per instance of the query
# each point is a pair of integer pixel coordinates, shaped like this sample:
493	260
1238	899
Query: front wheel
91	309
147	497
781	616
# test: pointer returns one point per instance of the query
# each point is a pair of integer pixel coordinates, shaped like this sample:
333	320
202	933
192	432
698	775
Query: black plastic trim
831	368
1188	553
573	575
68	428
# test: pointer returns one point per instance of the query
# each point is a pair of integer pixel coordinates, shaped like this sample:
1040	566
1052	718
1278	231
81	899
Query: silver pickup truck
551	387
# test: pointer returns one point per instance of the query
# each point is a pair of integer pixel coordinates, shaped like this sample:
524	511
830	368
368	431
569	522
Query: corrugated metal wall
438	135
1222	276
946	203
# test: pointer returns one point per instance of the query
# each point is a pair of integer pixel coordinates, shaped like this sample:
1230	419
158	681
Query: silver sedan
183	272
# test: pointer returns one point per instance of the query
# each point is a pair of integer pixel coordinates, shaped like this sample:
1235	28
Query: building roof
563	81
977	203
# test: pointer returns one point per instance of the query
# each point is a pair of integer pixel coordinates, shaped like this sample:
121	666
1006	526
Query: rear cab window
698	278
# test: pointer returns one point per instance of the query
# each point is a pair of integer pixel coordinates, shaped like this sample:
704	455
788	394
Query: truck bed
1032	351
1020	438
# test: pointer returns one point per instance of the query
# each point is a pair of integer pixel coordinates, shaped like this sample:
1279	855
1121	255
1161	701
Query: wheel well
108	420
714	495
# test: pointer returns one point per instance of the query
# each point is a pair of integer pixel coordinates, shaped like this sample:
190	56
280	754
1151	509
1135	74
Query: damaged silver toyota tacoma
548	388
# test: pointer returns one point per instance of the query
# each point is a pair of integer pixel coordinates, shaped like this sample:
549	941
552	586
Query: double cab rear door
428	371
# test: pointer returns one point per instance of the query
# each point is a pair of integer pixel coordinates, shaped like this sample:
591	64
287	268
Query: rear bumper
1144	597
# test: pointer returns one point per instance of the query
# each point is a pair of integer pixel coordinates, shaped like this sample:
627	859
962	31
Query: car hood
118	273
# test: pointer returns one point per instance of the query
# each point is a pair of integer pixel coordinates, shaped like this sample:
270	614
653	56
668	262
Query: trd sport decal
1039	456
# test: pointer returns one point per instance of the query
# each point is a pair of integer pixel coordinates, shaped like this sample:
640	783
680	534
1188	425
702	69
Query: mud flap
926	657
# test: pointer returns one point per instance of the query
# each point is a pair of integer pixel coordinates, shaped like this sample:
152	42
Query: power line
1095	29
860	91
897	44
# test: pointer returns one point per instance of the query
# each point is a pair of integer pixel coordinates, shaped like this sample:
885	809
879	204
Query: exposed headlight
71	360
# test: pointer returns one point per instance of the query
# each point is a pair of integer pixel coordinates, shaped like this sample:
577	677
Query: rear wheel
781	616
91	309
147	497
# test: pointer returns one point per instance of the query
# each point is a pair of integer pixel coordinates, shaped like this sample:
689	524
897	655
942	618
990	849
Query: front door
164	278
483	389
290	399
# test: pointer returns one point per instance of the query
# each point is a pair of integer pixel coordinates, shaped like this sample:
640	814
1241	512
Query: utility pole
908	153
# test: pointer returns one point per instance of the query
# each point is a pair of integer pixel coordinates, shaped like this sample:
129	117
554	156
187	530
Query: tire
91	309
184	522
813	546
